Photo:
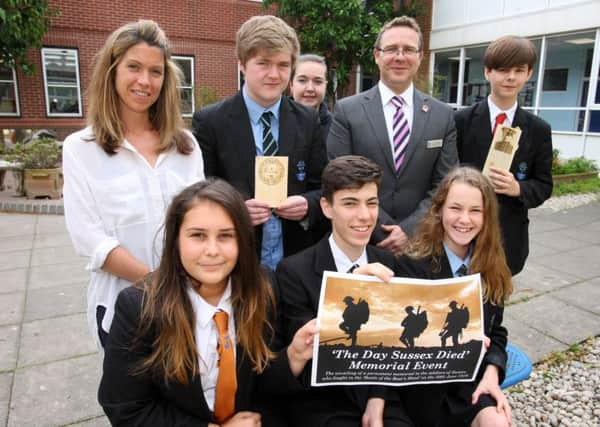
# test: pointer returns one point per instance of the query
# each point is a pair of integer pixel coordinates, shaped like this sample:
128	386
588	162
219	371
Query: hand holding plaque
503	148
270	179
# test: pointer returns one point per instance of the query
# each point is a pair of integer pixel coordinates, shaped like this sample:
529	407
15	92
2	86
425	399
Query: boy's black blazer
299	279
146	400
224	133
531	166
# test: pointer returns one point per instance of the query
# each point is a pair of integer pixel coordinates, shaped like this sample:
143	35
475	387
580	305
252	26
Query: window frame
182	87
17	112
75	51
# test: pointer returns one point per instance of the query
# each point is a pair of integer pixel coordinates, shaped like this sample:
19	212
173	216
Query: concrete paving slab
45	276
54	339
589	233
5	386
54	255
51	240
583	295
536	278
15	243
577	216
557	319
9	341
50	224
561	240
56	393
17	225
536	251
579	262
13	280
95	422
11	308
533	342
17	259
543	224
55	301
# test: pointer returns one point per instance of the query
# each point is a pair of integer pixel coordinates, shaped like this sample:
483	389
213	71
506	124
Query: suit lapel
522	121
241	136
481	130
287	127
374	113
323	260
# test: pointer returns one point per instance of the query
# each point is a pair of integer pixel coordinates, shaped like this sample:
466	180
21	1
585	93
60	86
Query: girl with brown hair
460	234
168	361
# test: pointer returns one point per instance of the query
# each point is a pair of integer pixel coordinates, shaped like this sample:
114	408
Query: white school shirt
495	110
119	200
207	338
389	109
342	262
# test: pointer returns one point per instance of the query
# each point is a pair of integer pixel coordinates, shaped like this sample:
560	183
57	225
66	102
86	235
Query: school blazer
299	278
224	133
531	166
146	400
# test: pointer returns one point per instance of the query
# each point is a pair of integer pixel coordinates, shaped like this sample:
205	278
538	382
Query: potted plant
40	160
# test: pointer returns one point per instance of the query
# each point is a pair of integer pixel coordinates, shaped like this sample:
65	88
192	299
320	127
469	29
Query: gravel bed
561	394
569	201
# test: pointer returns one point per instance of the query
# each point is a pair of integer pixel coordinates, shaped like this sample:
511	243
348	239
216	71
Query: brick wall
204	29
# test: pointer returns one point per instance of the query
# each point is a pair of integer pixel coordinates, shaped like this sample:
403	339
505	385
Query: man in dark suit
508	65
350	201
258	121
408	133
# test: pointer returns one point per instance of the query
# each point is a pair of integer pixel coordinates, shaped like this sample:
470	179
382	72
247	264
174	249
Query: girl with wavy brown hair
162	362
460	235
121	172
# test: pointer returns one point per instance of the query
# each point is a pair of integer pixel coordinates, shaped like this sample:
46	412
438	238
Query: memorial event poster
407	331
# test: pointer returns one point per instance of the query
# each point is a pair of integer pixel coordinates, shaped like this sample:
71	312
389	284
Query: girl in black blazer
161	366
461	227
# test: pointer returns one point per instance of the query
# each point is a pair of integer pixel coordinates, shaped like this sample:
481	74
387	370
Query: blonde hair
488	255
266	32
103	100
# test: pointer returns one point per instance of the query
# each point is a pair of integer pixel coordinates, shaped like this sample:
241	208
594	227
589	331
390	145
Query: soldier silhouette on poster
456	320
414	324
354	315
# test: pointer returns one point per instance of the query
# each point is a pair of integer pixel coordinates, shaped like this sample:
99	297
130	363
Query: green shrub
42	153
591	185
575	165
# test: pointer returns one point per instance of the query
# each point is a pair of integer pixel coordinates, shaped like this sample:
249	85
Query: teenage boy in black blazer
349	199
231	135
508	65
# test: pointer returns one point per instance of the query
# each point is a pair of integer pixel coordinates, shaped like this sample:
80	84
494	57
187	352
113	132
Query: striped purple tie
401	132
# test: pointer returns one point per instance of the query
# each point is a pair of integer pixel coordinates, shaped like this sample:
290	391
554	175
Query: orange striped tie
226	381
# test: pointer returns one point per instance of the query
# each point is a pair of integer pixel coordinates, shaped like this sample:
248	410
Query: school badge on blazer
522	171
300	171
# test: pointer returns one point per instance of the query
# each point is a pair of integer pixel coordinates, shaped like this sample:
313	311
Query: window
61	81
445	76
9	95
186	64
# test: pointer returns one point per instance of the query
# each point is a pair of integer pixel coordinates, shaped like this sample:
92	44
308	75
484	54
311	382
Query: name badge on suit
435	143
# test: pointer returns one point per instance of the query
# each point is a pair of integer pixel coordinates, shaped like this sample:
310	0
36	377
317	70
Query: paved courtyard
49	366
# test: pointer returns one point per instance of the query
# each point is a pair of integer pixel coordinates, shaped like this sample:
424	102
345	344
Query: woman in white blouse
122	171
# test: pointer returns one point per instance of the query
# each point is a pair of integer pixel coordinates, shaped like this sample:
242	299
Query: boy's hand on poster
300	349
373	416
504	182
375	269
243	419
293	208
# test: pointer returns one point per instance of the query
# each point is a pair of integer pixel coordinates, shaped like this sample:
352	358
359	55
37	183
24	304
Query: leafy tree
343	31
23	23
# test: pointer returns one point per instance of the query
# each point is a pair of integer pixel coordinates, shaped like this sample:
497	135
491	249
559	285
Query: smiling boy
350	200
508	66
258	121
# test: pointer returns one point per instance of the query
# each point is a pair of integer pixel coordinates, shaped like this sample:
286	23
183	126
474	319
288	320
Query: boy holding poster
458	236
508	66
350	200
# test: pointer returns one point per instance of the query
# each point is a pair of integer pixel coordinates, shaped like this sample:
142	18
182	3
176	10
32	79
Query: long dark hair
167	308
